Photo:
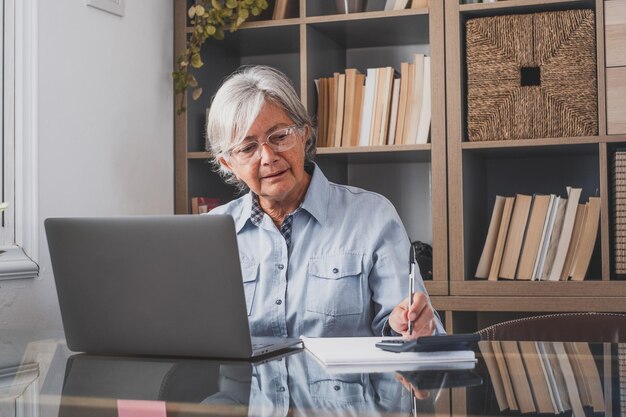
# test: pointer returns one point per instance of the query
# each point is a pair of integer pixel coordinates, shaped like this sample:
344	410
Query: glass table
39	376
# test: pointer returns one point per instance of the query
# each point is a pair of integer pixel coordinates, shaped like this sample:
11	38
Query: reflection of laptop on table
153	285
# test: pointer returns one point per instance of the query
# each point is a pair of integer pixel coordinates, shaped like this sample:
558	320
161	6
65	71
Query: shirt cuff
388	331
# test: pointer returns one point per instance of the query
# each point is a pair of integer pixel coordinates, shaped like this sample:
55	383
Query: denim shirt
347	267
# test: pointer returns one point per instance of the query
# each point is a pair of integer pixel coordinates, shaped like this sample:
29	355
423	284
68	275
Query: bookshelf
478	171
314	42
443	190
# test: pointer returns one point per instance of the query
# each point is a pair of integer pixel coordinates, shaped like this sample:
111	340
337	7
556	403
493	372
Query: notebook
153	285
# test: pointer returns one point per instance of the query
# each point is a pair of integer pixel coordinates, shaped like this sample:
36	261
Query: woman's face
275	176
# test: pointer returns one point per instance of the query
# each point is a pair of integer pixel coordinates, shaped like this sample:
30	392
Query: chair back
563	327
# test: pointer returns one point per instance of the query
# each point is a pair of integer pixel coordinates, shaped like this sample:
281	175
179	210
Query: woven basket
532	76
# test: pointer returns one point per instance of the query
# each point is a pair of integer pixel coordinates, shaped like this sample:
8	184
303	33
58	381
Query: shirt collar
315	201
317	196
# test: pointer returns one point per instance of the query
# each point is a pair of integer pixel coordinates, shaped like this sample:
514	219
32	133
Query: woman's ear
223	162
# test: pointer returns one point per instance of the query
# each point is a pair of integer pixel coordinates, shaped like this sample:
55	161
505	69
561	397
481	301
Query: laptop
153	285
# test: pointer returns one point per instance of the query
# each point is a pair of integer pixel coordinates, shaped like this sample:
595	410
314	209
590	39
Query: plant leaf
231	4
196	61
197	92
191	12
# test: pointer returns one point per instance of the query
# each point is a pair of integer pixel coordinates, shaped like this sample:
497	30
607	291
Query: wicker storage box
532	76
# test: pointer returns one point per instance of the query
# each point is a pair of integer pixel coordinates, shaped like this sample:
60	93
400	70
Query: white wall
105	131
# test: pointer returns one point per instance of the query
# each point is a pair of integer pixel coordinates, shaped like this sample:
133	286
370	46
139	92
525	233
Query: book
393	115
358	109
322	103
502	233
350	106
347	351
566	234
545	236
532	236
581	213
569	379
559	377
554	240
341	95
368	107
389	5
588	235
425	113
419	4
414	101
280	9
402	102
505	376
201	205
517	373
488	355
332	109
486	258
586	375
515	236
544	400
550	375
385	106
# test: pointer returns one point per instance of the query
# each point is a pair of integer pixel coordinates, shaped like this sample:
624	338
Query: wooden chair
564	327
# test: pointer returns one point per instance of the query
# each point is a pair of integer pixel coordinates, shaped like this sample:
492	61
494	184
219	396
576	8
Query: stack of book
618	185
541	237
377	108
544	377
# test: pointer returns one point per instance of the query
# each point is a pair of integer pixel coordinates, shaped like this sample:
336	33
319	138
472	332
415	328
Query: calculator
448	342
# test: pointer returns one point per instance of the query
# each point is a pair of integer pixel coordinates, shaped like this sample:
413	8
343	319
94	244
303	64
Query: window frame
19	245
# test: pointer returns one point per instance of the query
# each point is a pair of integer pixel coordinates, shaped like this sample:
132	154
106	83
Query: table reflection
294	384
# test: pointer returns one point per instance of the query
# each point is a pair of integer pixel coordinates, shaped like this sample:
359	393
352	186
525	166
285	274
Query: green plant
209	18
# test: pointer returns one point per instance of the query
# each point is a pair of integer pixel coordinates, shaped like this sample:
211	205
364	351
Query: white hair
236	105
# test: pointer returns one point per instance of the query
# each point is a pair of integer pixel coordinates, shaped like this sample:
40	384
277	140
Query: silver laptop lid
150	285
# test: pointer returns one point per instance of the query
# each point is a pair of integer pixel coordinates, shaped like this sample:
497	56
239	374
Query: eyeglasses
279	141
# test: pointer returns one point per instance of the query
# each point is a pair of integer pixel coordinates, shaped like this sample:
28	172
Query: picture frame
115	7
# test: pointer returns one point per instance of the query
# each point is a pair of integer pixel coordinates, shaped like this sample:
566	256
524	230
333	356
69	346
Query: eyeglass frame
295	129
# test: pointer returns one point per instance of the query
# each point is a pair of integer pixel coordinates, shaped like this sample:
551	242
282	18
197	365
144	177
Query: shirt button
279	302
335	270
281	266
337	387
281	389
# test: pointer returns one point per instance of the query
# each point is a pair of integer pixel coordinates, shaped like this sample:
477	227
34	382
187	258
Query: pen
411	283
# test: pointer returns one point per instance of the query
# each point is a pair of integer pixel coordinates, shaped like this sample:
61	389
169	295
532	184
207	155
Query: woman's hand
421	315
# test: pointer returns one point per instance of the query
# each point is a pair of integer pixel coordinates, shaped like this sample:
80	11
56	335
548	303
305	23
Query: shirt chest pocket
250	273
335	285
336	393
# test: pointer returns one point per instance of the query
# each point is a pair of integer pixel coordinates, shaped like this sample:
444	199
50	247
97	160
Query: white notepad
361	353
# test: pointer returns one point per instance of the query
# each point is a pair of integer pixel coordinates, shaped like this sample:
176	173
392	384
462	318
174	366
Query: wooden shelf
364	16
518	143
527	304
538	289
436	287
392	153
199	155
522	6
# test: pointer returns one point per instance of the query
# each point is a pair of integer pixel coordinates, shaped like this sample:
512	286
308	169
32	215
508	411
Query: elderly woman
318	258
